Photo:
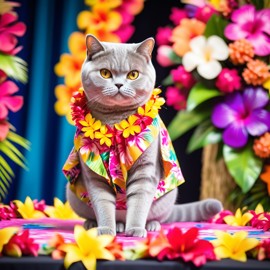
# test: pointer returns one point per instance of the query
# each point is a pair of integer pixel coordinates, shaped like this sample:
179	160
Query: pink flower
161	186
39	205
9	31
228	80
125	32
4	129
164	53
264	249
163	35
175	98
181	76
177	15
219	218
204	13
13	103
252	25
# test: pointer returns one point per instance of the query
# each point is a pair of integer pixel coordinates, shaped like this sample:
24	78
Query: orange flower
241	51
256	73
265	177
100	19
182	34
261	146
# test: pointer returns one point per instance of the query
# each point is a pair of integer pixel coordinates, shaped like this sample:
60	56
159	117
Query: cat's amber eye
133	75
105	73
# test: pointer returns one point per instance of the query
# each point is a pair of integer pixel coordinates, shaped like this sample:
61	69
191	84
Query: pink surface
43	229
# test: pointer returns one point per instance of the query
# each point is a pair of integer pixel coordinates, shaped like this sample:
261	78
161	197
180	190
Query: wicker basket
216	180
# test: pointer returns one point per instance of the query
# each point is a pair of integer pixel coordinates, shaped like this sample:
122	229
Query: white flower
205	54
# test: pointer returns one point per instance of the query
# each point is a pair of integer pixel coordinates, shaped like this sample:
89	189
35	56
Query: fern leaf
5	166
12	136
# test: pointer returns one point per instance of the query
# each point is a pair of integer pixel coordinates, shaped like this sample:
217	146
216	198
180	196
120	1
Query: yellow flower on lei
128	126
104	136
27	209
90	126
233	246
61	210
6	234
88	247
238	219
109	3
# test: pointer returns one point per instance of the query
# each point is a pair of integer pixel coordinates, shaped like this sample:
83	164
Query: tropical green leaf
5	166
259	4
243	165
198	94
12	136
203	135
176	59
9	153
167	81
186	120
14	149
14	67
215	26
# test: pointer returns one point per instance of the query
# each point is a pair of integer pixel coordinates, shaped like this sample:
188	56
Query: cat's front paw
89	224
105	230
120	227
136	232
153	226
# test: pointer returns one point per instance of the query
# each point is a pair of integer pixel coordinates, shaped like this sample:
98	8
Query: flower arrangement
219	82
109	21
185	243
13	67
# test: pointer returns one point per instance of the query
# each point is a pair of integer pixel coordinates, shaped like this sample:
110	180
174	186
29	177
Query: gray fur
111	105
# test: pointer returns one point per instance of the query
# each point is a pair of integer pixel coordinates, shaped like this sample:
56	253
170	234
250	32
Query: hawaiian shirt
114	162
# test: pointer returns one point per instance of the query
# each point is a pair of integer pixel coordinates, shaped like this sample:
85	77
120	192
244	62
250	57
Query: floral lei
105	134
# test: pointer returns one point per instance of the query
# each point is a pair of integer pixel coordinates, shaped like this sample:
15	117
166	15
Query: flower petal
258	122
260	42
90	262
264	16
235	135
244	14
254	98
235	32
223	115
190	61
209	70
198	44
219	49
7	88
222	252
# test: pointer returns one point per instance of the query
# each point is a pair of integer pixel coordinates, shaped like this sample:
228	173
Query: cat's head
118	75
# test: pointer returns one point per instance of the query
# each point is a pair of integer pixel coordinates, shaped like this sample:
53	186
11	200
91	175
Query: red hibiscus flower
186	246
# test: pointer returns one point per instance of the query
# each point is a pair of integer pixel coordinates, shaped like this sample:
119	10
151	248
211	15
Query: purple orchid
242	114
251	25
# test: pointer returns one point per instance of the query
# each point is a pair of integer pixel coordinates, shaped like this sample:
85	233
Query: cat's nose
118	85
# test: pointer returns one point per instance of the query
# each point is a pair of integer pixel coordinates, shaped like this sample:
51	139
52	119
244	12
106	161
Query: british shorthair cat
123	172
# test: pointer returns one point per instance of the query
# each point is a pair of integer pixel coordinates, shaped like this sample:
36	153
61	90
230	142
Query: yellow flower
70	68
100	18
108	3
233	246
104	136
266	84
27	209
6	234
238	219
63	94
60	210
77	45
90	126
88	248
128	127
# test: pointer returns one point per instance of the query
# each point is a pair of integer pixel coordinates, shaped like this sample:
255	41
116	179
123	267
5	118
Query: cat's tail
195	211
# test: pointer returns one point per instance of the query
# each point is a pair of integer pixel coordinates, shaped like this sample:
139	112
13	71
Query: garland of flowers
106	134
109	21
220	82
174	243
15	68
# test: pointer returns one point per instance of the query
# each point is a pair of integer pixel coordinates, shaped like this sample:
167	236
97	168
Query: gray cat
117	80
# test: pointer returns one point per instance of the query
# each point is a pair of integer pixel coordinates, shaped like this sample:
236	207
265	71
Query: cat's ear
146	48
93	46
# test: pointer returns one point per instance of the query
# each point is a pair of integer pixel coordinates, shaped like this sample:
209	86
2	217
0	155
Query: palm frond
14	67
10	151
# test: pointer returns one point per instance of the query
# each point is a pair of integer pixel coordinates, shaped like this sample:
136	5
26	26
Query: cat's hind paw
89	224
105	230
136	232
153	226
120	227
